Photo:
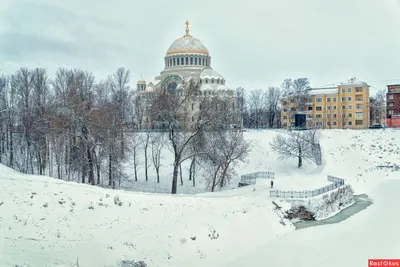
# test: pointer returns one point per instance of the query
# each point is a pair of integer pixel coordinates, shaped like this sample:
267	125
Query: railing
336	182
251	178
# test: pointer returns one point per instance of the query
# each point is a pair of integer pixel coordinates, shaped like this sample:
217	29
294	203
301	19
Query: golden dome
187	45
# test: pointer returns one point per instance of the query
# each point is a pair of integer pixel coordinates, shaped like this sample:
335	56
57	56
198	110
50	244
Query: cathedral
188	58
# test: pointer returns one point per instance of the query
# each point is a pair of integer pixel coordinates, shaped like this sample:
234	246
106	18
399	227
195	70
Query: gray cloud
254	43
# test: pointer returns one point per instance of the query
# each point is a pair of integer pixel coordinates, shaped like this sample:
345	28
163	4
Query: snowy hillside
48	222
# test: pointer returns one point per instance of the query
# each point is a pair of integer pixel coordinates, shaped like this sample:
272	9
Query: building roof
187	45
323	91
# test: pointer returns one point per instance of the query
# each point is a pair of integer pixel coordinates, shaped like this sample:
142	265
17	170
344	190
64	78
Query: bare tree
145	141
225	149
296	144
273	99
377	107
157	143
170	111
256	103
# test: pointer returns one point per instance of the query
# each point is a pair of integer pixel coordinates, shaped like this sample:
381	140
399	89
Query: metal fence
251	178
336	182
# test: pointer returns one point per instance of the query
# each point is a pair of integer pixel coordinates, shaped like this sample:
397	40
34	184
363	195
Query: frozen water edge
361	202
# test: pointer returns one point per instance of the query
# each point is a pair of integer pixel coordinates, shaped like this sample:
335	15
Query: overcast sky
253	43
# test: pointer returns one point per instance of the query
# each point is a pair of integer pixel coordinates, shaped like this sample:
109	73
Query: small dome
210	73
141	82
187	45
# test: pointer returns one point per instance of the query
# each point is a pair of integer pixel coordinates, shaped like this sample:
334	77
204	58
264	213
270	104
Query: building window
358	98
187	61
390	97
181	60
349	90
328	99
191	61
359	122
359	114
217	81
292	109
319	99
334	116
343	99
319	108
350	107
359	89
328	107
195	61
328	123
328	116
334	99
285	117
310	108
284	102
359	106
350	115
206	80
292	100
334	107
318	116
285	110
343	90
334	123
343	107
349	98
174	61
212	80
350	123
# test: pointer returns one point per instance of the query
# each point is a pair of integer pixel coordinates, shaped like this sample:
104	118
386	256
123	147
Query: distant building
344	106
393	106
187	58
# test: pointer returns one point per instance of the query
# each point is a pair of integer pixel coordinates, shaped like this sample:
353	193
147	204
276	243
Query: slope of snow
371	234
47	222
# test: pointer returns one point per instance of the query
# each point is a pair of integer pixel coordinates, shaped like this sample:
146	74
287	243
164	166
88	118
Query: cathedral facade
187	58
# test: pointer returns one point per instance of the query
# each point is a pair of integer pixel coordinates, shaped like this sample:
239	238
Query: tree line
74	127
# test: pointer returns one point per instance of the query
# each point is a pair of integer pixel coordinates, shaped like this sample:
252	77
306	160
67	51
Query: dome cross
187	27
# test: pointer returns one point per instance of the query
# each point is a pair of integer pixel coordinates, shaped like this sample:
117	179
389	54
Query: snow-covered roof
323	91
209	73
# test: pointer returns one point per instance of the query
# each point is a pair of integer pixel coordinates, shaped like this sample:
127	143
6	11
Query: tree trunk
146	163
223	175
175	178
90	165
180	173
158	175
135	163
191	170
300	163
109	169
98	170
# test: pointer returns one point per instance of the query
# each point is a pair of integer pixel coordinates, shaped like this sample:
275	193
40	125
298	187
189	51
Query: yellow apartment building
345	106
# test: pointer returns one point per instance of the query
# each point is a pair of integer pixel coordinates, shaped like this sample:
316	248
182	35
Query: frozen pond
361	202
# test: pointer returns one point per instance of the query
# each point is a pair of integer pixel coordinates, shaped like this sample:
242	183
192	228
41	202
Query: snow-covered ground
47	222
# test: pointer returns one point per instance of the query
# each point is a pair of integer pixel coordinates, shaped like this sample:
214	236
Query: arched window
206	80
201	81
177	61
203	61
195	61
181	60
187	61
191	61
217	81
174	62
212	80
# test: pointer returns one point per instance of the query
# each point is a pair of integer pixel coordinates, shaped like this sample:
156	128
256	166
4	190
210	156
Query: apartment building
345	106
393	105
